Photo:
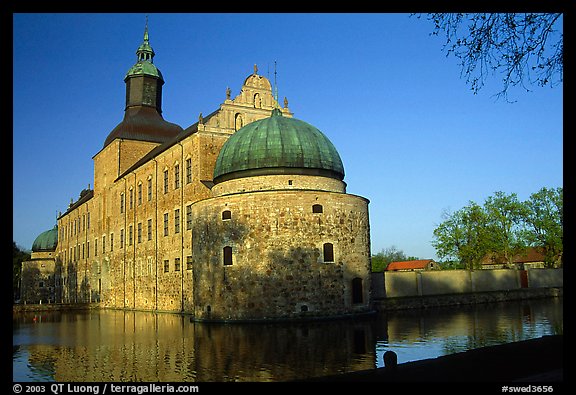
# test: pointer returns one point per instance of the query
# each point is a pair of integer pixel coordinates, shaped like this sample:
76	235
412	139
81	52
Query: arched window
317	208
238	122
257	101
227	255
357	290
226	214
328	252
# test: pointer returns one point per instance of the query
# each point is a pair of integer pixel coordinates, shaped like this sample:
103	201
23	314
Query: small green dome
144	68
145	55
278	145
46	241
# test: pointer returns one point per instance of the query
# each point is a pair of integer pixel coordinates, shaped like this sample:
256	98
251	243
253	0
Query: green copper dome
46	241
144	67
278	145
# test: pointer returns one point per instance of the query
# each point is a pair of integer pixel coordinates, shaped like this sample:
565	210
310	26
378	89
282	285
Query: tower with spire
143	126
144	81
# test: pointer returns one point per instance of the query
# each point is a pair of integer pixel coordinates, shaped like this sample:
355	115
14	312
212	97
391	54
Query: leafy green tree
504	215
544	221
463	236
18	256
503	227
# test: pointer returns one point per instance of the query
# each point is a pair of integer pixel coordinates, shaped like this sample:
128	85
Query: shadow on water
112	345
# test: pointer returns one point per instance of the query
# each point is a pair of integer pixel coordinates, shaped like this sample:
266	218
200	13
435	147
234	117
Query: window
317	208
121	203
130	235
165	181
166	266
165	224
121	238
189	262
177	220
176	176
139	232
131	199
88	219
227	214
95	247
103	243
88	249
188	171
149	189
149	229
111	241
257	101
357	290
177	264
328	252
189	217
238	122
227	252
139	194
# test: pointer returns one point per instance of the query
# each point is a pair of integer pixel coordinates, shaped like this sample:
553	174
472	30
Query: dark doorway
357	290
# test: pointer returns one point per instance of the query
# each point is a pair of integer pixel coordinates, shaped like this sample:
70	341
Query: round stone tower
38	278
280	238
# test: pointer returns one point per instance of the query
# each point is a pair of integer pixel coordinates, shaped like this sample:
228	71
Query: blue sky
413	137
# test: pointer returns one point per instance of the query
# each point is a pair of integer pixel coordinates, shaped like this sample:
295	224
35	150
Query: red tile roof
532	254
409	265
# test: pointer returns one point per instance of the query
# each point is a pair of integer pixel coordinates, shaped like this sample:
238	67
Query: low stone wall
540	278
26	308
447	282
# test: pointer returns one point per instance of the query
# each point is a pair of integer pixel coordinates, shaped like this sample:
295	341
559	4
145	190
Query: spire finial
275	85
146	30
145	51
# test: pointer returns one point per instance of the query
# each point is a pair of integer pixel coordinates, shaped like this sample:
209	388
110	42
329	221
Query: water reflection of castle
137	346
130	346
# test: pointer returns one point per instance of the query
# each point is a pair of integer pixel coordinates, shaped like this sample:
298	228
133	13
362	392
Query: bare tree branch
525	49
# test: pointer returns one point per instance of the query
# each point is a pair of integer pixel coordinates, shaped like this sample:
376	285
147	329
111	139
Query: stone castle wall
277	265
278	182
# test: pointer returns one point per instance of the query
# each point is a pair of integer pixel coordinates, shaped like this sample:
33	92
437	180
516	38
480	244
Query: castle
243	215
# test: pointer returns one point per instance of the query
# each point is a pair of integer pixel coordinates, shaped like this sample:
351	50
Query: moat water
118	346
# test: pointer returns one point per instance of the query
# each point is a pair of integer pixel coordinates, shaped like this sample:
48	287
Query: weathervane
275	85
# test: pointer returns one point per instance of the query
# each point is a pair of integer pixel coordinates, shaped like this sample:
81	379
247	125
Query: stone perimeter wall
424	283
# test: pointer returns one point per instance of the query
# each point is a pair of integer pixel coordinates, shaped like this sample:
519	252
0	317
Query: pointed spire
145	51
146	30
275	85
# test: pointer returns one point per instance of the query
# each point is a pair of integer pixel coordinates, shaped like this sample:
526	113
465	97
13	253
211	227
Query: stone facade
151	236
291	253
37	280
